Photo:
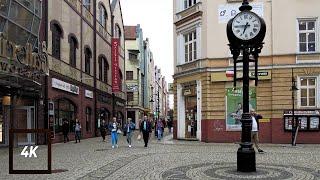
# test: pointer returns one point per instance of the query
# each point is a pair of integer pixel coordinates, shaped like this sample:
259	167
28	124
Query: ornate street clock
246	28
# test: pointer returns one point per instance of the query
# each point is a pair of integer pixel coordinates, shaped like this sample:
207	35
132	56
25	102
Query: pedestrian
163	126
77	130
145	129
169	125
113	127
129	128
65	130
255	129
103	131
159	129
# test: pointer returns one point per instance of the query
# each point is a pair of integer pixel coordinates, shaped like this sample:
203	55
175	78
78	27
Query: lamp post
293	122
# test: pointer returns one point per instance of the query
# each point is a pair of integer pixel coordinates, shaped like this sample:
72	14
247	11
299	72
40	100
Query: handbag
139	137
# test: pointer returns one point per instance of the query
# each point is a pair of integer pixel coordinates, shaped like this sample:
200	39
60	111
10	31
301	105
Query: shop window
64	111
307	92
73	51
88	119
103	69
129	96
129	75
102	16
307	36
56	40
87	57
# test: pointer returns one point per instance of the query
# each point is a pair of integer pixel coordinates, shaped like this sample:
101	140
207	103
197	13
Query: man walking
145	129
255	129
65	130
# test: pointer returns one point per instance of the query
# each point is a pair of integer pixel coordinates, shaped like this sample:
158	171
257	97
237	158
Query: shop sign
119	104
22	61
228	75
56	83
302	113
115	64
88	94
234	107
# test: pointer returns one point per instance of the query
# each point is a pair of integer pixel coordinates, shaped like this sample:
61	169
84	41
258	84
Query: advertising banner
115	64
234	107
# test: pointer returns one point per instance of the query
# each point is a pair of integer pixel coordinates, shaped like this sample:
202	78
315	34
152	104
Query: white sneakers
130	146
112	147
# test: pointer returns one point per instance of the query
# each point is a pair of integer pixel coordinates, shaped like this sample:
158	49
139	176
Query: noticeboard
309	120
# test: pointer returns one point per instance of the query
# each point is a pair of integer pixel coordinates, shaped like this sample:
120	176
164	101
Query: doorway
25	117
191	116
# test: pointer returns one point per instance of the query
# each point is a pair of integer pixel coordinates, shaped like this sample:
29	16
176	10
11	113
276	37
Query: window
56	41
129	96
189	3
117	33
307	91
88	119
87	57
133	56
129	75
65	110
102	16
190	46
86	4
73	51
103	69
307	36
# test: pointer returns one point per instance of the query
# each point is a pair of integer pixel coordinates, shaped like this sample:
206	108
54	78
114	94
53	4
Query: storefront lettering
18	59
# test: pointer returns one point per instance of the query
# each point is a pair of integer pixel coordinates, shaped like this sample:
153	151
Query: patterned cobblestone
168	159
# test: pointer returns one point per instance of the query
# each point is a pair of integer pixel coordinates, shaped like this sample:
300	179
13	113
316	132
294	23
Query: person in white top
255	129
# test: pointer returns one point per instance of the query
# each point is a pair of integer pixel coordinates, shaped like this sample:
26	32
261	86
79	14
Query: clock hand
245	27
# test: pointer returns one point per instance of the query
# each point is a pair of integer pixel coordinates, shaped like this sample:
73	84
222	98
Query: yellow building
205	104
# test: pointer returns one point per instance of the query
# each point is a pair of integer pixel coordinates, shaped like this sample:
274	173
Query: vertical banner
234	107
115	64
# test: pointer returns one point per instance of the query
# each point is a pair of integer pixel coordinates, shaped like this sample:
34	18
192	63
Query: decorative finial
245	6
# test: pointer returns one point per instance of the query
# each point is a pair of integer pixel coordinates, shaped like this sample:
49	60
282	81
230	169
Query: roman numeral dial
246	25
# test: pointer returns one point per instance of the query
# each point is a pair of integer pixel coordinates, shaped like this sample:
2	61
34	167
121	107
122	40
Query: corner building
206	106
79	34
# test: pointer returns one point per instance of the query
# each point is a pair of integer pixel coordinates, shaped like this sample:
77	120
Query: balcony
189	14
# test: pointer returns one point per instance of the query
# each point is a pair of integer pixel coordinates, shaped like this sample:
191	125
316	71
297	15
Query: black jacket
148	127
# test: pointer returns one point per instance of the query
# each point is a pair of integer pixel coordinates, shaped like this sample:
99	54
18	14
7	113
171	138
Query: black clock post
247	41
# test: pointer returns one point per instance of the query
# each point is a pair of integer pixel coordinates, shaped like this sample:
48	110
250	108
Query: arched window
87	60
56	40
103	16
88	119
103	69
73	50
65	112
117	33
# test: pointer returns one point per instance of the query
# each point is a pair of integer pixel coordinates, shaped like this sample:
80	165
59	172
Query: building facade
79	37
23	68
134	59
207	108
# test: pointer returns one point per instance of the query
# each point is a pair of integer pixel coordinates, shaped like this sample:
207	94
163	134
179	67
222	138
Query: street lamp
294	123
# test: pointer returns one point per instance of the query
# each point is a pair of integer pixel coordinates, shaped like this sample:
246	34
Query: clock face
246	25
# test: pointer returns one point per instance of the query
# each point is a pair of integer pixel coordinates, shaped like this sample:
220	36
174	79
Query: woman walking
77	130
129	128
113	127
159	129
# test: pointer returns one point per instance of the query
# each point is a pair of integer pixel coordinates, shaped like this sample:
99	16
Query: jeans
159	134
78	135
129	135
114	138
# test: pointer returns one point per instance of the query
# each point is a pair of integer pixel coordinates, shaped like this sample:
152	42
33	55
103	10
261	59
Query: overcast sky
156	20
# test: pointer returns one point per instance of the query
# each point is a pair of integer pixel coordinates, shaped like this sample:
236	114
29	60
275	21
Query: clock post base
246	158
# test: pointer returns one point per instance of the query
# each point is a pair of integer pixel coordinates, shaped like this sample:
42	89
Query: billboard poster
115	64
234	107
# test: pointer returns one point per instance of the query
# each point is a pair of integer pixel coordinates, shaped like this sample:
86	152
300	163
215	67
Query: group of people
115	129
66	128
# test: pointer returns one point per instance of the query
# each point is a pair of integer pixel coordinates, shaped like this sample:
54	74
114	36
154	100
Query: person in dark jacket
145	129
65	130
103	131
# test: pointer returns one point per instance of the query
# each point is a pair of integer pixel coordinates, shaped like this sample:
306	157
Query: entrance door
25	118
191	116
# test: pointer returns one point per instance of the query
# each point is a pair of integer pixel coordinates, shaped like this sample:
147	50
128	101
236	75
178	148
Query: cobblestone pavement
167	159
